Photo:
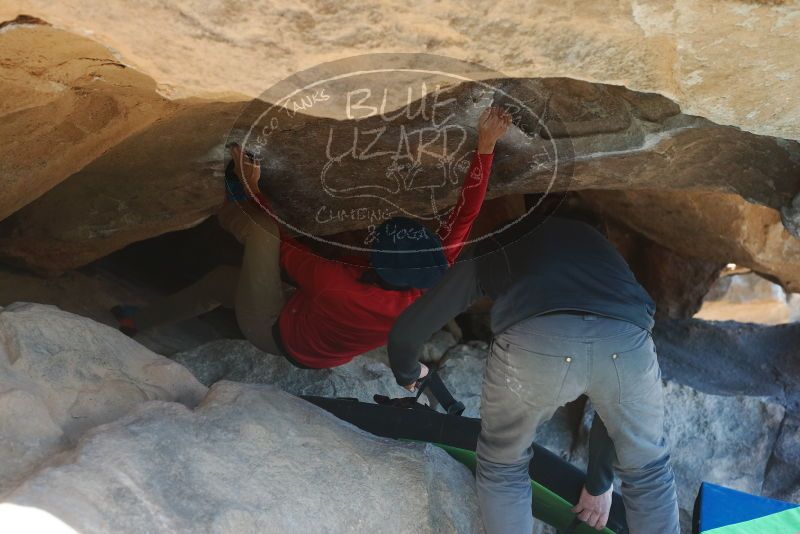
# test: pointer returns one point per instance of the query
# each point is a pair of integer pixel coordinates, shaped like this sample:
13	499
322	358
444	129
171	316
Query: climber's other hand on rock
594	509
247	169
492	124
423	372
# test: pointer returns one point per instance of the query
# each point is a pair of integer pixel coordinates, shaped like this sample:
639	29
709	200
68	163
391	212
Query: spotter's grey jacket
561	264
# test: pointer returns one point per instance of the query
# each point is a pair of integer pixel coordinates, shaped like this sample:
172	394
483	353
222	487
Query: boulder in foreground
249	458
62	374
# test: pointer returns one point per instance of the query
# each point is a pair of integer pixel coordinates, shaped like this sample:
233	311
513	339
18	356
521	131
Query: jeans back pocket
637	369
534	376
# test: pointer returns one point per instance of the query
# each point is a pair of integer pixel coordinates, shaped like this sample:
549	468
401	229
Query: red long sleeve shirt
333	317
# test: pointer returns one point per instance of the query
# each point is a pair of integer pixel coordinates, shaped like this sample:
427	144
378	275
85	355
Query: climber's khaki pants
544	362
254	291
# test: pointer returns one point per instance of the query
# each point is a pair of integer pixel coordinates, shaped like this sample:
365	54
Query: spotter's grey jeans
544	362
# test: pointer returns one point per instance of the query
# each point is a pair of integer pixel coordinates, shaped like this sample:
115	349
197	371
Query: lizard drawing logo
386	135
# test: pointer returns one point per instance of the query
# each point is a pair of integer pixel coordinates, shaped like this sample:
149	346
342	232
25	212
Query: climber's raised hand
492	124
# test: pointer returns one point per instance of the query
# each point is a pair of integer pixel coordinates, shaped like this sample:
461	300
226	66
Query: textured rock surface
62	108
238	360
783	473
729	358
734	62
128	184
712	226
61	374
463	373
742	359
92	292
70	102
724	408
96	155
240	462
362	378
677	283
725	422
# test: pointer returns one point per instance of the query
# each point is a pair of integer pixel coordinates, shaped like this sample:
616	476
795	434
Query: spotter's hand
593	510
423	372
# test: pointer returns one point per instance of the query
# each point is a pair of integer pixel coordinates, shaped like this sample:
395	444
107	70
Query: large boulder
721	228
730	358
676	282
62	107
151	165
92	294
62	374
364	377
733	62
248	459
726	440
68	101
747	361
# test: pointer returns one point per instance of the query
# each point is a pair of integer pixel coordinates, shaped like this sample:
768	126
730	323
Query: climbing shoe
126	317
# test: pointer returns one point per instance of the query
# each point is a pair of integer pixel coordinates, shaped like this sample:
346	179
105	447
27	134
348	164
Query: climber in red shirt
340	309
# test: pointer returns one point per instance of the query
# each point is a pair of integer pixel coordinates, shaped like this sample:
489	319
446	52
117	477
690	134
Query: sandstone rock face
732	62
69	102
783	474
737	359
62	375
247	459
229	461
715	227
743	360
362	378
725	423
62	108
725	440
92	294
84	451
137	190
741	363
136	177
682	129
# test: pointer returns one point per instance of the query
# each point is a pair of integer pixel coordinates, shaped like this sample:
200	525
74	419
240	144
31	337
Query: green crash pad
547	506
